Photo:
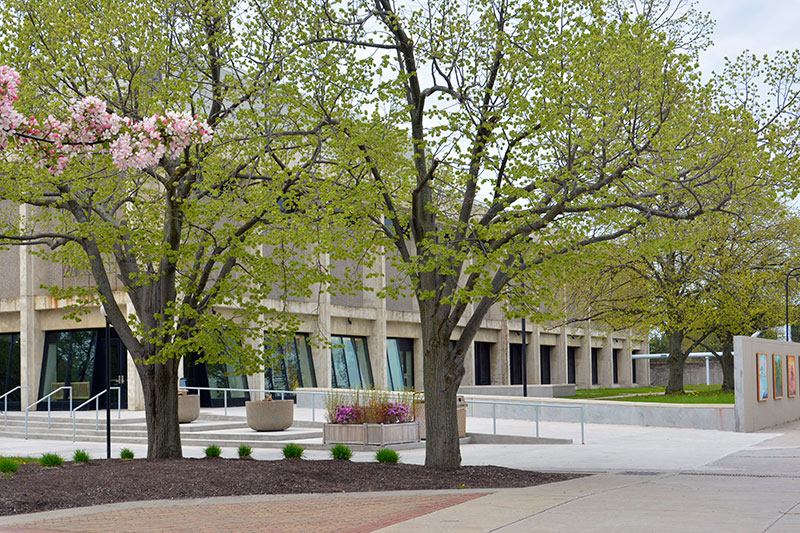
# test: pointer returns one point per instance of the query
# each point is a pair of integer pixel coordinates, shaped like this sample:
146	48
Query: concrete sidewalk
652	479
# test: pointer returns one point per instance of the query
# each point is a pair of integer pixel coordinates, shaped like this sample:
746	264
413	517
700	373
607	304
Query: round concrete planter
276	415
188	408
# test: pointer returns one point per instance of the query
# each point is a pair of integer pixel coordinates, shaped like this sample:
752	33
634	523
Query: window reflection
350	363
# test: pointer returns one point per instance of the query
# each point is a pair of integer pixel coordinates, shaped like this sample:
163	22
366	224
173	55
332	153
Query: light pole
524	360
108	382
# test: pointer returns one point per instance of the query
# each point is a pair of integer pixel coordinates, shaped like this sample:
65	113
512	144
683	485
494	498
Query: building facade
374	342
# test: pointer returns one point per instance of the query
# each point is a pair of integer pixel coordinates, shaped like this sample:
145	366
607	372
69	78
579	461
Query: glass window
289	365
69	361
350	363
400	363
9	365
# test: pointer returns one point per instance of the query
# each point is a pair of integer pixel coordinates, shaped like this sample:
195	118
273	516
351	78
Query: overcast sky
761	26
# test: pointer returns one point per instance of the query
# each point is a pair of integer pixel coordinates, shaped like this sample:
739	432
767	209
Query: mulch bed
34	488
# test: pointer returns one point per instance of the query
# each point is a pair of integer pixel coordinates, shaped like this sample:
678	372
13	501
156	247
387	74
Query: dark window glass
615	364
571	352
515	363
595	373
9	368
483	363
633	367
544	363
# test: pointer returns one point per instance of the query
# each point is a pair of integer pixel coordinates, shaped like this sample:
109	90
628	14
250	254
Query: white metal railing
537	407
27	409
5	402
96	399
706	355
283	394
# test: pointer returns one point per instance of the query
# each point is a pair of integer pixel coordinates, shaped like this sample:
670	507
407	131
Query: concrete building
377	343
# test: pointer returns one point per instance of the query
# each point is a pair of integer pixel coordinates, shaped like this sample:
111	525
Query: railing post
97	413
5	409
494	419
48	412
537	421
583	441
225	396
313	407
26	422
119	403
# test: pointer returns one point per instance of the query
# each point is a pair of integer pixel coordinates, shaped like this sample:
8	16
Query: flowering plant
91	130
372	407
347	414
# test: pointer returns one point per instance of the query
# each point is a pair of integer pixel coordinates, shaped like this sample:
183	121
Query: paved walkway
652	479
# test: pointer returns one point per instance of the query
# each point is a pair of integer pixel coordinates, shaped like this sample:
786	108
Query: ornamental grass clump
8	466
244	451
80	456
387	455
213	451
341	452
51	459
293	451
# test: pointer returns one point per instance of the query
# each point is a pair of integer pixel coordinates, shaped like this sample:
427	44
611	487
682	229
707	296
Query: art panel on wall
791	376
763	377
777	376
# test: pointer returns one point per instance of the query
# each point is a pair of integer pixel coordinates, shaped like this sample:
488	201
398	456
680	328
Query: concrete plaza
653	479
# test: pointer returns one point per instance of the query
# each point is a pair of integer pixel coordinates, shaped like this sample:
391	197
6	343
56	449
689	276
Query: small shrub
80	456
340	451
244	450
126	453
387	455
51	459
213	451
293	451
8	466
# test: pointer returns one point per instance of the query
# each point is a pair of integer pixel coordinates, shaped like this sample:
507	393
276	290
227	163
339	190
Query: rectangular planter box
370	434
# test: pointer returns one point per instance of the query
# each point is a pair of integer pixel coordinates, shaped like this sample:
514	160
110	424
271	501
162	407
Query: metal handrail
225	390
96	399
5	402
536	405
27	409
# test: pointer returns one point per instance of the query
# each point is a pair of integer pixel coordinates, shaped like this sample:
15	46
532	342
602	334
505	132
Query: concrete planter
276	415
188	408
370	434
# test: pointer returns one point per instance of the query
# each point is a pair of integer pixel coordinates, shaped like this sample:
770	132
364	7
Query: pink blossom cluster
91	130
396	413
347	414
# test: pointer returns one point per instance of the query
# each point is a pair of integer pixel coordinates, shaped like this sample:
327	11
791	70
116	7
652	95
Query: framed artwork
763	377
791	376
777	376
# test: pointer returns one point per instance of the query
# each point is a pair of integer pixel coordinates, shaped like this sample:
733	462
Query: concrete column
320	350
625	371
533	360
583	359
558	358
31	338
419	361
500	359
376	342
469	366
604	364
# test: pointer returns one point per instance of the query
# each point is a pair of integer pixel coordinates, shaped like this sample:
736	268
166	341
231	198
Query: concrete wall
751	414
694	373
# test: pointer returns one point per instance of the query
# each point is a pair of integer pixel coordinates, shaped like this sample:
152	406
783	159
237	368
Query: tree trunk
675	362
442	379
160	384
442	448
726	361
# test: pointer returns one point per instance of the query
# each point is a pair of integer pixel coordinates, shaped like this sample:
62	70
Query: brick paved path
306	513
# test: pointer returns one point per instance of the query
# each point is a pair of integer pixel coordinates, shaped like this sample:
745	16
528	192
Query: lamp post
108	382
524	360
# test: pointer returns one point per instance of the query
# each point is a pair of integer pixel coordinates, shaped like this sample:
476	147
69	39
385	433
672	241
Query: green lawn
694	394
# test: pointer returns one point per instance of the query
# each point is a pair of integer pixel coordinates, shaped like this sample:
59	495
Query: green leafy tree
534	130
200	252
